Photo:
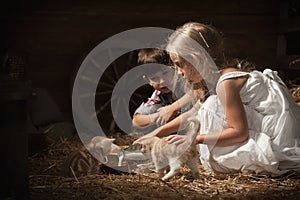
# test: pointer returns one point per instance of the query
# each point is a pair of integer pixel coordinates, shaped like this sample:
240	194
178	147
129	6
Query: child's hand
139	140
157	119
165	114
175	139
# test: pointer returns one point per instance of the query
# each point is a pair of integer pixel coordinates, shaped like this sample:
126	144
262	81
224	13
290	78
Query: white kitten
174	156
100	147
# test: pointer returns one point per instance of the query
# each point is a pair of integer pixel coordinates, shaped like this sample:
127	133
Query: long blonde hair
212	41
206	35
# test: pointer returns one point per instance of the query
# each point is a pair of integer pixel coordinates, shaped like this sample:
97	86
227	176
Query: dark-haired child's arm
143	120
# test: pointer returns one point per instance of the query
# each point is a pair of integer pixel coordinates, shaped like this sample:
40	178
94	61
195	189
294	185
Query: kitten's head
100	147
145	146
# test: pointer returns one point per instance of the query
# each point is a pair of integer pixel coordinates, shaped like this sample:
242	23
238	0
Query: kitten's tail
193	128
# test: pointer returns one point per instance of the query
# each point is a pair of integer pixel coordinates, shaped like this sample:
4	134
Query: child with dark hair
149	115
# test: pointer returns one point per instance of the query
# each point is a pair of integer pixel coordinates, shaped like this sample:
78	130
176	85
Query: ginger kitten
174	156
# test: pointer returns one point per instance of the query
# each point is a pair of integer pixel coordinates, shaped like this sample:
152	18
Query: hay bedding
46	180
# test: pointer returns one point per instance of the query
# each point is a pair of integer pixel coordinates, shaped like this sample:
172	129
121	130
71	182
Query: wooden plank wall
55	34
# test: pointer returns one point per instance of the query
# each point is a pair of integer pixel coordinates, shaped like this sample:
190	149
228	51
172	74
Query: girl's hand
139	140
175	139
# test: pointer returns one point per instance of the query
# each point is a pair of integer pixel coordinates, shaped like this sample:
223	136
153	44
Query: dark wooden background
49	39
56	34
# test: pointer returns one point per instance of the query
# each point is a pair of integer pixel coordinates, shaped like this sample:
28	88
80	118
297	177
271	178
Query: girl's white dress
274	128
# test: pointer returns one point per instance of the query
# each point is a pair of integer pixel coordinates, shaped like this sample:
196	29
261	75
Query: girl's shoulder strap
234	74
